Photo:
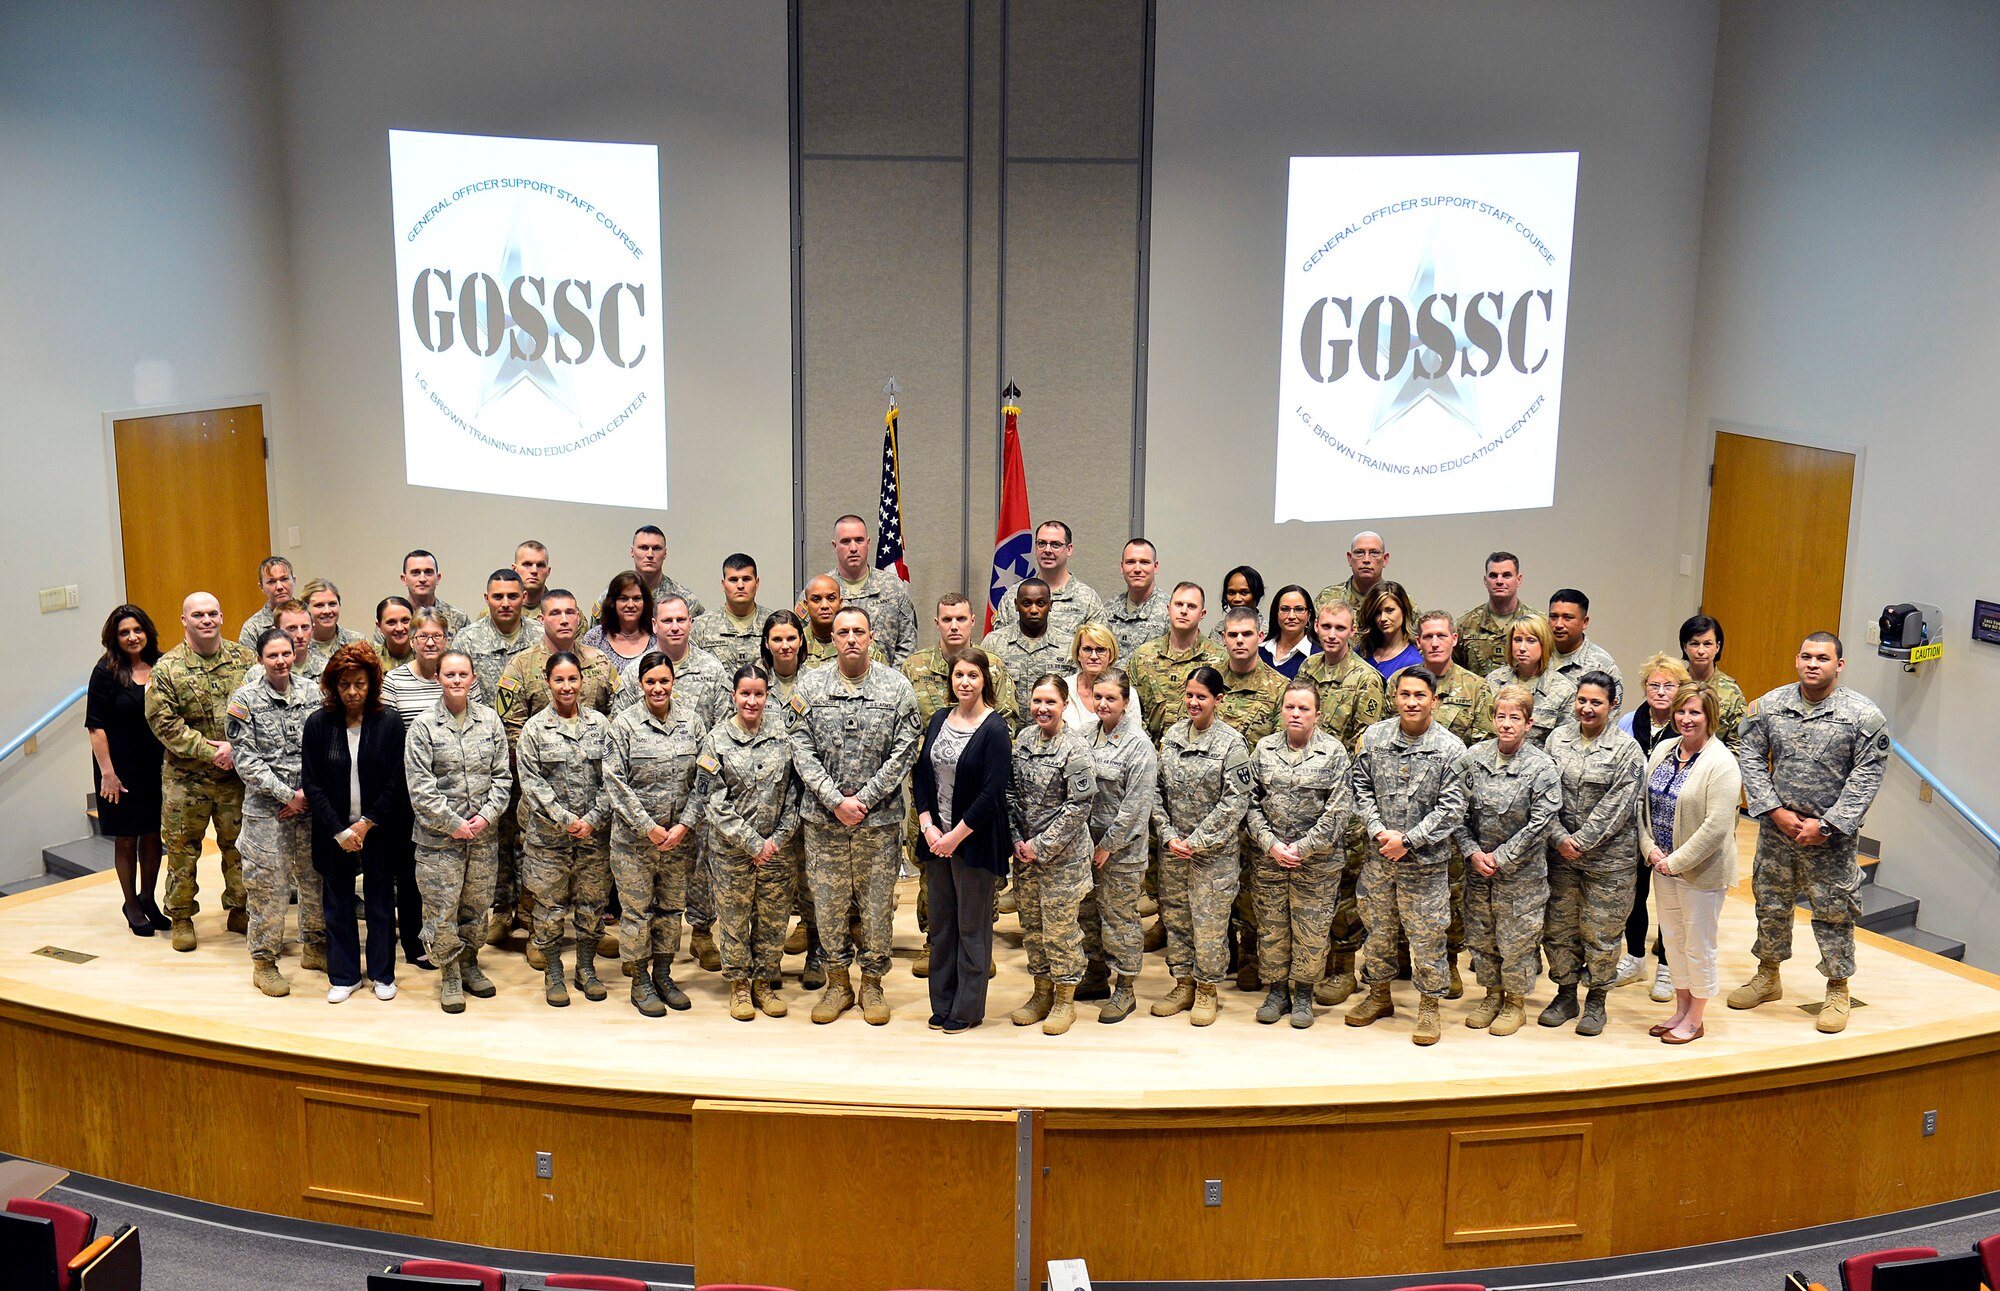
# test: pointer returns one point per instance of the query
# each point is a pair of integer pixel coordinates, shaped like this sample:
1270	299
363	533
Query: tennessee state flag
1013	538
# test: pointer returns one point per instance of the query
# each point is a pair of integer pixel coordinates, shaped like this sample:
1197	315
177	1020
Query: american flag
889	524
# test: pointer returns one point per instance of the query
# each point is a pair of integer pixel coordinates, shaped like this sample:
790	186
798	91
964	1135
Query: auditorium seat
74	1229
1989	1259
592	1282
488	1279
1857	1272
1445	1286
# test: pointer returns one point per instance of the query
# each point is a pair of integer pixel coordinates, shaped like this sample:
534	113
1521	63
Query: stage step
79	857
18	886
1883	909
1943	947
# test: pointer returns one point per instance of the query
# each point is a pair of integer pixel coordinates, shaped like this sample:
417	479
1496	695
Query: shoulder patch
1882	741
1083	783
241	712
797	703
508	681
1241	776
709	763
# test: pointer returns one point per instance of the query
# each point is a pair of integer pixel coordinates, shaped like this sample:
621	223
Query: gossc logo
1428	343
1012	562
519	335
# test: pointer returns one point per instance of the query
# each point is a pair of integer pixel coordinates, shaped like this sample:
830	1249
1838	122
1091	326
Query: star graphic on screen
503	370
1399	396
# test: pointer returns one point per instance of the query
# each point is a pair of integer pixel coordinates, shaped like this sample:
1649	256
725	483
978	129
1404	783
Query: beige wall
1241	89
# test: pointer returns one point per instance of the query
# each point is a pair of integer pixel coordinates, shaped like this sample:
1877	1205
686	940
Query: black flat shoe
142	926
159	921
419	960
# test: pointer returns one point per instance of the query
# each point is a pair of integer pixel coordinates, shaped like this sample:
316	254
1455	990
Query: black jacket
385	794
979	792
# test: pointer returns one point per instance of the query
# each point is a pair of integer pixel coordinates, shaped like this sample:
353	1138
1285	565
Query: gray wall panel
1075	74
882	76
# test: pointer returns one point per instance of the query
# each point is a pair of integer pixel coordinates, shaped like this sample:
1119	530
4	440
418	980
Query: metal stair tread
29	884
1943	947
92	854
1882	908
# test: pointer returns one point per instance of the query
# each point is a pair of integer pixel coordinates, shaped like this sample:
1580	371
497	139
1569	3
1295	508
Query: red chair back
592	1282
1445	1286
1989	1259
74	1229
1857	1272
489	1279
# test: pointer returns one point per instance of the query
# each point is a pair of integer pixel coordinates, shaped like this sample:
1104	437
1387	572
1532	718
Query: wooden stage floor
1910	999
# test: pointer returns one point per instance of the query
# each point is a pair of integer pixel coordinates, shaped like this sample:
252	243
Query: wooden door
193	512
1777	552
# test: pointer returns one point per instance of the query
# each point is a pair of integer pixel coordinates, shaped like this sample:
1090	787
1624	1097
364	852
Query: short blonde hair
1097	634
1519	696
1537	626
1667	666
314	587
1711	707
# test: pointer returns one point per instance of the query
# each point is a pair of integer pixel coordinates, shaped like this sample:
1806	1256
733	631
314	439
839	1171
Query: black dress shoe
956	1026
939	1022
141	926
419	960
159	921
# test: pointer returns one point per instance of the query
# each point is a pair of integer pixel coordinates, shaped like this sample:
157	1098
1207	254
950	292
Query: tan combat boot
1120	1005
1512	1017
451	988
1205	1004
765	996
1178	1000
1833	1013
921	965
553	989
238	922
184	934
1761	989
702	946
741	1006
1249	975
265	977
795	940
1427	1031
1036	1006
1062	1011
537	958
1456	987
1374	1006
1486	1010
499	922
1149	905
607	943
874	1009
1006	903
839	997
312	956
1339	982
477	984
1156	936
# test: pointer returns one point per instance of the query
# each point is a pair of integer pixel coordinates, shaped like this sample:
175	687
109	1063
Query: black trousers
1635	923
343	939
409	906
961	937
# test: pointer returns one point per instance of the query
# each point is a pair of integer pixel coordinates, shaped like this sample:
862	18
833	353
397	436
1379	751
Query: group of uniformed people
1318	817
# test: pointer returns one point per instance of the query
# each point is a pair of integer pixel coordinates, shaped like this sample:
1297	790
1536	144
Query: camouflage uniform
560	763
1591	657
1352	698
1027	658
1249	704
490	653
1554	699
891	615
701	682
733	641
256	626
523	689
854	738
1346	593
318	652
1070	607
1591	897
1048	804
752	798
457	768
1204	791
1822	760
391	662
1730	706
186	705
1301	797
1159	674
1510	804
1465	708
650	770
265	729
1127	782
818	653
1483	638
1135	625
1410	785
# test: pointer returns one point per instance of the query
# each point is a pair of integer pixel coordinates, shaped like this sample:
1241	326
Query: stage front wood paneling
847	1156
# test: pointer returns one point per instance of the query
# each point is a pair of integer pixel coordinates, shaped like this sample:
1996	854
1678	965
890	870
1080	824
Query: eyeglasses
1663	687
1049	546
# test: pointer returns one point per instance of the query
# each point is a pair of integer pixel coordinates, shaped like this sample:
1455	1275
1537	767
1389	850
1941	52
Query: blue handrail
42	723
1937	786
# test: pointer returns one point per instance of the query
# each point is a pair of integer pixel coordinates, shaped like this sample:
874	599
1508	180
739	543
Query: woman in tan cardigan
1689	810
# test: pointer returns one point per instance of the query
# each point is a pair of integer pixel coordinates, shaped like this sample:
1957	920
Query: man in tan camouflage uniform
1159	669
1465	708
1482	632
1352	698
187	706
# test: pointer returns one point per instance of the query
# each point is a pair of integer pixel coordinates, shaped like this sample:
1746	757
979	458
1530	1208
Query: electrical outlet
1211	1192
1930	1123
292	538
1687	566
51	599
73	597
545	1165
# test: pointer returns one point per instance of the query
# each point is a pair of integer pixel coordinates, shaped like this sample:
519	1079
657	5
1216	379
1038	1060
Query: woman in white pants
1689	810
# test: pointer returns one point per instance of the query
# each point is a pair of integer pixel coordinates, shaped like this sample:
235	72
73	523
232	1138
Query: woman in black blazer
352	763
960	782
